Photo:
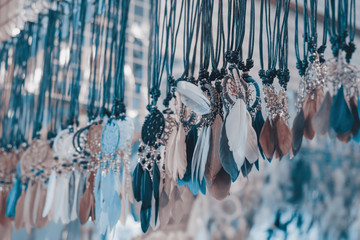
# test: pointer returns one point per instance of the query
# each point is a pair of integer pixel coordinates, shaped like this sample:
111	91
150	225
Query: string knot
283	76
215	74
232	57
349	49
203	74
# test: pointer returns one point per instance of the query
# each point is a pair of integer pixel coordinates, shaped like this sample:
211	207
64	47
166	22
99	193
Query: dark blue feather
341	118
136	184
226	156
156	183
145	216
257	164
246	168
191	140
258	124
146	190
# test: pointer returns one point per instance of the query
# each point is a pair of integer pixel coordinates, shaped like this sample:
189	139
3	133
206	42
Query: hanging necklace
275	136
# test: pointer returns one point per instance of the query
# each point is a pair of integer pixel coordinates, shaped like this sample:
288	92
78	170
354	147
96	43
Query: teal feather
13	197
341	118
136	181
156	184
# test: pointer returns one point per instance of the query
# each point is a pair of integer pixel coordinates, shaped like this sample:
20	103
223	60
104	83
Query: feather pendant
354	110
156	183
321	120
191	140
73	213
36	203
311	106
170	153
236	131
137	179
213	164
221	186
146	198
297	132
283	138
246	168
13	197
177	212
341	118
267	139
258	124
85	206
201	153
65	203
27	204
226	156
179	157
19	212
193	97
3	198
252	152
40	220
50	193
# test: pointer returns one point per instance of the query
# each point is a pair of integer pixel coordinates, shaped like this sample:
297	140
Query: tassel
321	120
226	156
297	131
267	139
341	118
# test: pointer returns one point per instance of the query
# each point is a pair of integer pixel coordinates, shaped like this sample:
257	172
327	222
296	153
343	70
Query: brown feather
311	105
3	198
283	138
221	185
19	212
85	206
213	164
40	221
321	120
267	139
297	132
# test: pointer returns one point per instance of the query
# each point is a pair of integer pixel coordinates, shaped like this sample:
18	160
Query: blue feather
97	193
341	118
136	181
145	216
246	168
356	138
226	156
12	199
156	184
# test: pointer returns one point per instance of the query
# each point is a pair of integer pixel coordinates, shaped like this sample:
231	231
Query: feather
40	220
256	163
177	212
354	110
73	214
201	153
27	204
59	200
267	139
258	124
156	183
236	130
221	186
170	153
191	140
146	198
19	212
71	193
312	104
13	197
246	168
3	197
321	120
193	97
136	183
85	206
226	156
179	157
341	118
213	164
164	209
65	203
50	193
252	152
36	202
283	138
356	137
297	132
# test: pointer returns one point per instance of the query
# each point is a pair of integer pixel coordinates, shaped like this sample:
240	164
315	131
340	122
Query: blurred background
312	196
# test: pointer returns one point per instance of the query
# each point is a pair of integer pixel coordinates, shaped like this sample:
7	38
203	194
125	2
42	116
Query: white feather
236	130
193	97
59	201
50	193
73	210
170	153
252	150
180	161
205	152
201	153
65	205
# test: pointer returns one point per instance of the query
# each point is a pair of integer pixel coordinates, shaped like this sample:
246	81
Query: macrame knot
349	49
301	66
193	80
215	74
232	57
312	43
335	45
203	74
262	74
167	100
283	76
321	51
249	64
155	93
268	77
241	65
